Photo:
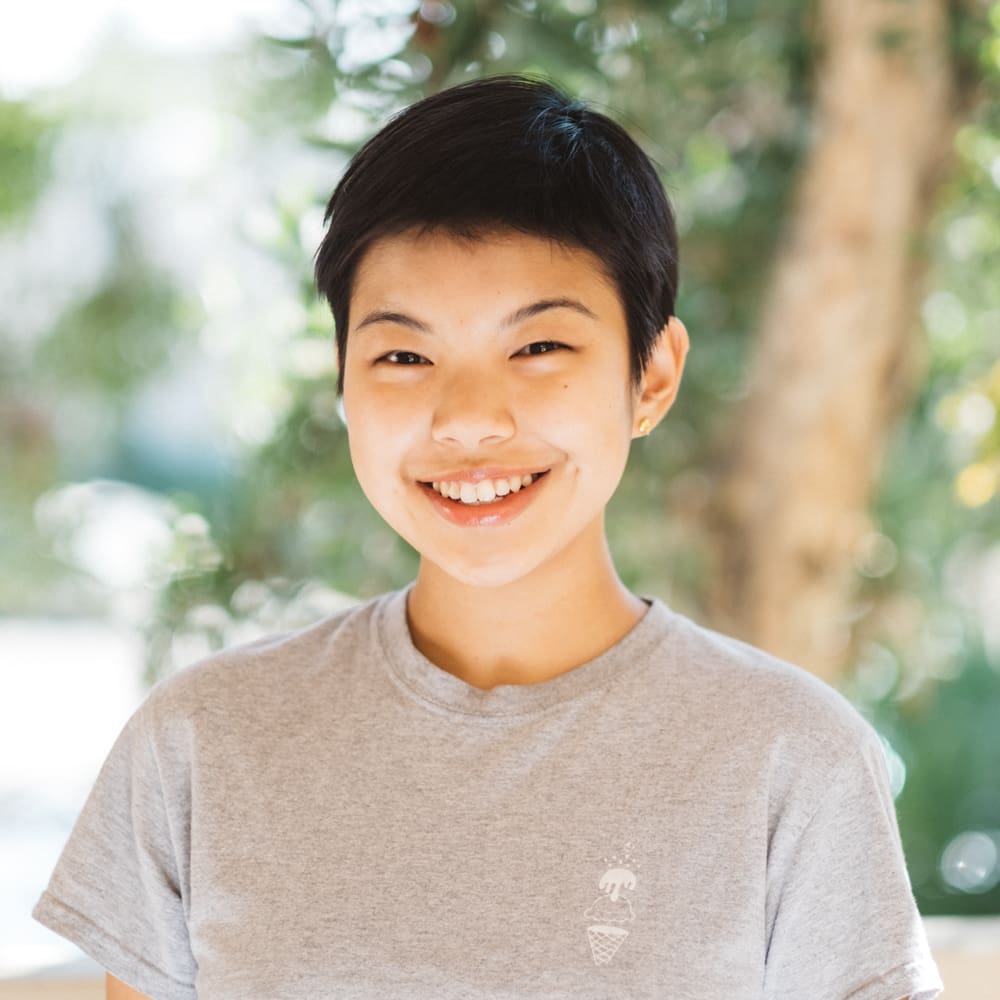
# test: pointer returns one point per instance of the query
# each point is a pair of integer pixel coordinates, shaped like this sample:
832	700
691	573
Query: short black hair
509	153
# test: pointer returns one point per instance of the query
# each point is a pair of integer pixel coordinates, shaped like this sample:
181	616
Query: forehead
435	262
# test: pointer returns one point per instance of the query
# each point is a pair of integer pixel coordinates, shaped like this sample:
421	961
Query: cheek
379	435
364	406
364	433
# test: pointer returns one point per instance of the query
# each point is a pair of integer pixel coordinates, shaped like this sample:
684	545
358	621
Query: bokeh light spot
976	484
971	861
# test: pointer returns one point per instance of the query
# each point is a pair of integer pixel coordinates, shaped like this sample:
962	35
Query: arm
115	989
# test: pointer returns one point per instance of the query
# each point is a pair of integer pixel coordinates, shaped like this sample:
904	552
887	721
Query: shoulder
762	700
268	669
770	724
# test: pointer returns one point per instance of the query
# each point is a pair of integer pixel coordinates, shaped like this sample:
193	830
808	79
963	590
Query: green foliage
948	741
23	159
119	335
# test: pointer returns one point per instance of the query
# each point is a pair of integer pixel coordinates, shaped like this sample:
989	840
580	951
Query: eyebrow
517	316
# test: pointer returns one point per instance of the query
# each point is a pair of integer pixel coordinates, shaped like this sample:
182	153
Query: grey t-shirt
327	814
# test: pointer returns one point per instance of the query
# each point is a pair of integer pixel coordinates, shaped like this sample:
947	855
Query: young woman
513	777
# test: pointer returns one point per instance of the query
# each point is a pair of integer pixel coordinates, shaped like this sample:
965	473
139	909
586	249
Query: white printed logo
612	909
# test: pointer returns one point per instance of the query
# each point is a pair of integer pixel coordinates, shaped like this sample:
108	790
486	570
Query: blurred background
174	473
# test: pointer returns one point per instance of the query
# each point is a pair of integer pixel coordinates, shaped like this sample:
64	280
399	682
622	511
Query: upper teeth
484	491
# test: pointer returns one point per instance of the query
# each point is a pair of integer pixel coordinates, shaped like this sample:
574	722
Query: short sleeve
843	921
116	891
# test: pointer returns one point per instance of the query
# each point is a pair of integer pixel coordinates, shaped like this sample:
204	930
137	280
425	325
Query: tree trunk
839	356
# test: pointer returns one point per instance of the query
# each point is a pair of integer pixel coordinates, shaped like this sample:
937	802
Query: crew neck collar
436	688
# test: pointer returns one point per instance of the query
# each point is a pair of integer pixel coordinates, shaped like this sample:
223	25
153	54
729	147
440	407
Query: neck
525	632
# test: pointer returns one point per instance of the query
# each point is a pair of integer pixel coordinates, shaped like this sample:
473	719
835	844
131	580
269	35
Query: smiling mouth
472	495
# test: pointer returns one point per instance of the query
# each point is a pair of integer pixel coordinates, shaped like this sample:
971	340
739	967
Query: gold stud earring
645	425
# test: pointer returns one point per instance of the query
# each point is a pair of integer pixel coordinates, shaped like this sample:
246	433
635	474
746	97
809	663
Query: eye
406	358
544	347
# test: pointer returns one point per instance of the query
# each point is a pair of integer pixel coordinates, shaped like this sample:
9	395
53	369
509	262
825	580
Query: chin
497	574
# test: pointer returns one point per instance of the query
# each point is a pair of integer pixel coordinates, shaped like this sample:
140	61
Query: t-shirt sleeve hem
131	969
915	980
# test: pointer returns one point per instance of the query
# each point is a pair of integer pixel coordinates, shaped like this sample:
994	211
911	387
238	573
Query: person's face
472	362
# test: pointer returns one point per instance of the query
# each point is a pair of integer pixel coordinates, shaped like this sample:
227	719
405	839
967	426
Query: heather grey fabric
327	814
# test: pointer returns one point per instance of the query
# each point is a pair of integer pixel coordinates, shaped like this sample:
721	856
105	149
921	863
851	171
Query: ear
662	377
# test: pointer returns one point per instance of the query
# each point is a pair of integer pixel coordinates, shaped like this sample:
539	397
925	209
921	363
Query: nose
472	408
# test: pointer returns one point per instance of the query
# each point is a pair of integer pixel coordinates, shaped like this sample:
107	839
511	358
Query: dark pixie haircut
509	153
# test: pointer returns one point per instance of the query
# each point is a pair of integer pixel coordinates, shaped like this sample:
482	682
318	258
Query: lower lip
485	515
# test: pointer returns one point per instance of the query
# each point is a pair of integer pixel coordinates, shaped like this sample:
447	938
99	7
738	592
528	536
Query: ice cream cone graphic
610	911
605	940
